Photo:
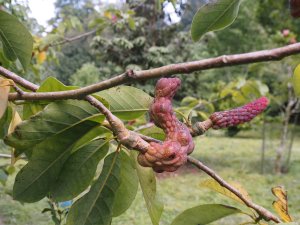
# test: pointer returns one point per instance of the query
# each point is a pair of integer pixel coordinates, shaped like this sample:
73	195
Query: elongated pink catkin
239	115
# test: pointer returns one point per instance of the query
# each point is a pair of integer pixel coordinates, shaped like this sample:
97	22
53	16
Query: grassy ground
236	159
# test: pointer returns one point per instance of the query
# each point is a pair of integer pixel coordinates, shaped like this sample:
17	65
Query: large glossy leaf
36	179
129	185
95	208
17	42
148	185
52	121
204	214
296	81
126	102
79	170
214	15
50	136
50	84
97	132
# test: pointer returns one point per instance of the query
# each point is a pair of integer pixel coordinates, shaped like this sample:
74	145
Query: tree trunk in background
293	130
284	133
263	147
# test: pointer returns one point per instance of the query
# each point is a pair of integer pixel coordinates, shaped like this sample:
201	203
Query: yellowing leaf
14	122
296	80
215	186
107	14
41	57
4	91
281	204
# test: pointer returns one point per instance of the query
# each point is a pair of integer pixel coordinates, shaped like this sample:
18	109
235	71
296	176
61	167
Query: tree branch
264	213
181	68
17	79
67	40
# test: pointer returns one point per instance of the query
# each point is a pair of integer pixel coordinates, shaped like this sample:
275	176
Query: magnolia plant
67	131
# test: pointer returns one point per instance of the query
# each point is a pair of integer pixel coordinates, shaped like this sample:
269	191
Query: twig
18	90
17	79
267	215
181	68
148	125
67	40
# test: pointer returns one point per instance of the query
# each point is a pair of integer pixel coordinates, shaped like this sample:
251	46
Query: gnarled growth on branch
172	153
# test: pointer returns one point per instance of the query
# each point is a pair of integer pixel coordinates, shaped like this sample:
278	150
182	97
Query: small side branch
264	213
18	80
75	38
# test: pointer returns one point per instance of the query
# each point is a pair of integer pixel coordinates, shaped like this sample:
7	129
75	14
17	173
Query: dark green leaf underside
214	15
95	208
127	102
79	170
128	185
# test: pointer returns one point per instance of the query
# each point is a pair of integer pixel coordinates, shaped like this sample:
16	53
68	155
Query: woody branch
168	70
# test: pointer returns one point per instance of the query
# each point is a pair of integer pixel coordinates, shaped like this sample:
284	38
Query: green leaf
296	81
204	214
129	185
203	115
17	42
48	137
5	122
49	85
189	101
131	23
79	171
250	90
126	102
148	185
95	208
214	15
154	132
97	132
35	180
56	118
52	84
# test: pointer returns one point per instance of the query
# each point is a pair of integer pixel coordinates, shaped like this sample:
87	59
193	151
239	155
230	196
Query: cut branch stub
172	153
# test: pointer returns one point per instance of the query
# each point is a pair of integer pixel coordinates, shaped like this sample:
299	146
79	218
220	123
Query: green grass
235	159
